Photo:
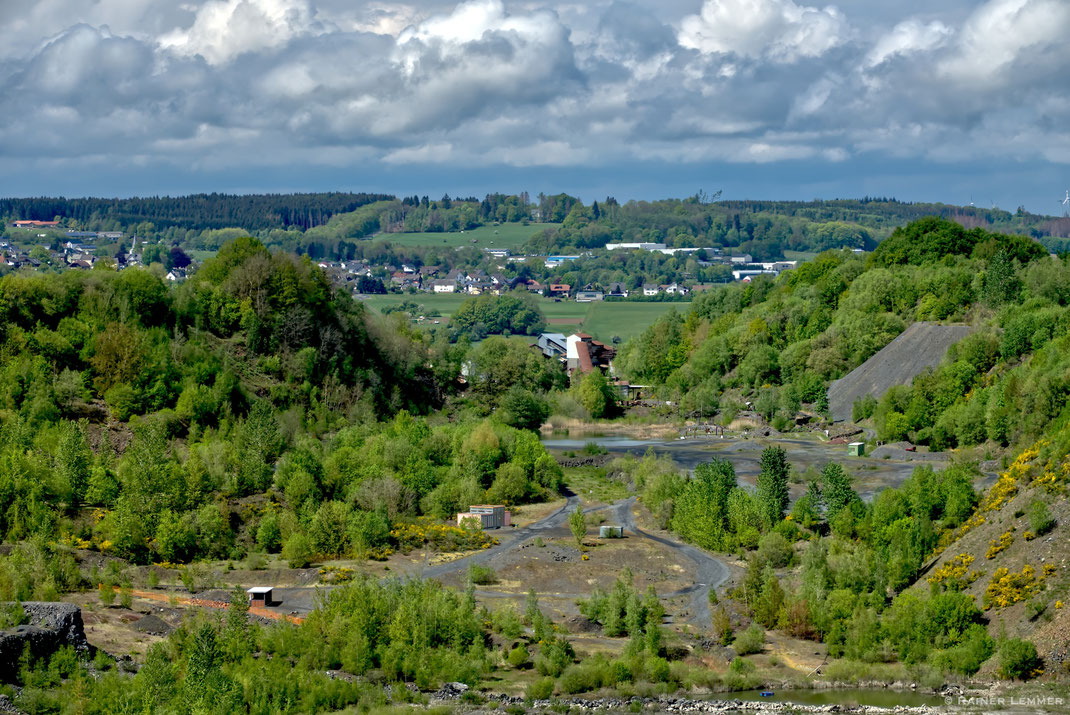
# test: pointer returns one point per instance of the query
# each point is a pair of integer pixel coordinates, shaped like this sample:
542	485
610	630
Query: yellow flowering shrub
956	572
336	574
1007	588
997	545
443	537
75	543
997	496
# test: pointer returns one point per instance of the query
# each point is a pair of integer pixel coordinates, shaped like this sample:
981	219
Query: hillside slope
922	345
1017	573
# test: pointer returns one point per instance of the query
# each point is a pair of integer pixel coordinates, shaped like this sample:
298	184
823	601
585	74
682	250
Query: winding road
709	572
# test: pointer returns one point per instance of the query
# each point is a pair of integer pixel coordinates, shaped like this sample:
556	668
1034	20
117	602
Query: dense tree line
252	212
763	229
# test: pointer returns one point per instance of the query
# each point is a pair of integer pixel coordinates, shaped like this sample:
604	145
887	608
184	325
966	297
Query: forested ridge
323	224
253	212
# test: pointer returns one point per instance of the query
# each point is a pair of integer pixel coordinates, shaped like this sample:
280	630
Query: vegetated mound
920	346
932	238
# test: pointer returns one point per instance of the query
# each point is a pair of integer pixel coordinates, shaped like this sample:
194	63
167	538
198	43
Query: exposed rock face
52	626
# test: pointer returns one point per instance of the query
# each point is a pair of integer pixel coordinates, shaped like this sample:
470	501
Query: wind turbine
1066	204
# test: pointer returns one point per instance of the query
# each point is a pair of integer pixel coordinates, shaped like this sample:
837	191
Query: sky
949	101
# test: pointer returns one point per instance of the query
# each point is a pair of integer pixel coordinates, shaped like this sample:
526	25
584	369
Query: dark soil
153	625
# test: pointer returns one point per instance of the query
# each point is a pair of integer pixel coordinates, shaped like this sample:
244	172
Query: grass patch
602	320
593	484
625	320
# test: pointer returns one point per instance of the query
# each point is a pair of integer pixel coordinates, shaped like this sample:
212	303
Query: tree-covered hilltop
765	229
778	342
159	408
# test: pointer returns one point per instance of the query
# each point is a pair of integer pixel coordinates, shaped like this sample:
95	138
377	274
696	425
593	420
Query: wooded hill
778	342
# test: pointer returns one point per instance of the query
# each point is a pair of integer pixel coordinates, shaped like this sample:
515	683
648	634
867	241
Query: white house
444	286
650	290
676	289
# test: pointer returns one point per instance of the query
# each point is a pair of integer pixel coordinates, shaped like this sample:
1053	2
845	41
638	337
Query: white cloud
224	29
908	37
778	29
1001	32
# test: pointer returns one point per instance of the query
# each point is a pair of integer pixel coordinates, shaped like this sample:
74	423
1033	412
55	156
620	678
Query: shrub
966	658
107	594
298	551
577	523
268	533
123	401
1040	518
1007	588
519	657
751	640
775	550
579	679
722	626
863	408
255	561
658	670
956	573
554	656
997	545
1018	659
740	666
541	689
11	615
481	575
507	622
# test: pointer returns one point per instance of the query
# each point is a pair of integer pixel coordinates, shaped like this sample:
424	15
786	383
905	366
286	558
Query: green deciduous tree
577	524
773	485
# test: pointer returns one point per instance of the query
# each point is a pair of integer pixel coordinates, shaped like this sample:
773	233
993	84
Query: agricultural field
508	235
626	320
603	320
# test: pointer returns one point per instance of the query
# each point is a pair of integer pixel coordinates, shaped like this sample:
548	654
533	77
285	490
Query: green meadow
604	320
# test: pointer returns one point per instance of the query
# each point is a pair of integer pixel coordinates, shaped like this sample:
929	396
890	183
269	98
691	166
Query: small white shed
259	595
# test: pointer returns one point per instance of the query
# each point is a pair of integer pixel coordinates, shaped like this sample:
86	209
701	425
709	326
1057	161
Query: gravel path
508	540
709	572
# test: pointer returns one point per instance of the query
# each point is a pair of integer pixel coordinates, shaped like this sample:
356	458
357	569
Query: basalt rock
52	626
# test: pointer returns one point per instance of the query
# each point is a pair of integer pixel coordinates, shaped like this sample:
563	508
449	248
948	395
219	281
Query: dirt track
708	572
